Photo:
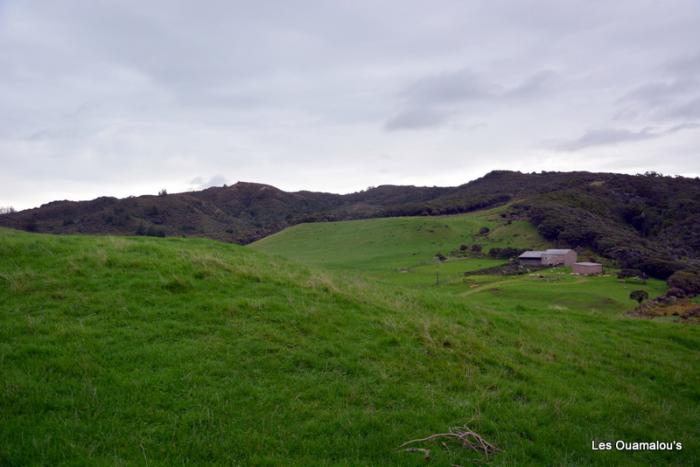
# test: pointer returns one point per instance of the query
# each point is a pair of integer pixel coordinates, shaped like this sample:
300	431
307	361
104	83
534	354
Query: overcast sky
128	97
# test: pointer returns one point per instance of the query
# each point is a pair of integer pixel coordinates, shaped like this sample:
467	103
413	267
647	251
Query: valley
329	343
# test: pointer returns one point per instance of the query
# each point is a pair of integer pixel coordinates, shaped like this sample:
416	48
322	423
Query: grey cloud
449	87
664	102
415	119
660	92
542	82
675	97
603	137
61	132
433	100
686	65
686	111
612	136
430	101
124	96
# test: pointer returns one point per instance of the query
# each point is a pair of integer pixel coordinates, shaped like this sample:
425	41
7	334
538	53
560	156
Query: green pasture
328	344
387	244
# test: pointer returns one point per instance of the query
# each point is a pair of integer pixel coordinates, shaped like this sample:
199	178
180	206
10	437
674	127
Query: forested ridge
646	221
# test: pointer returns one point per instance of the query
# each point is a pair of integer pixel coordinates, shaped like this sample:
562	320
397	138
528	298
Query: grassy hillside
391	244
165	351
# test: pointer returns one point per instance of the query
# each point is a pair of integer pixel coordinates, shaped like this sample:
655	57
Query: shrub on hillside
31	225
151	231
505	253
660	268
687	281
155	232
675	292
626	273
639	295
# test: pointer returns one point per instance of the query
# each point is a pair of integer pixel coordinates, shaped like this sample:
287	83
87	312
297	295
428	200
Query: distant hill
239	213
646	221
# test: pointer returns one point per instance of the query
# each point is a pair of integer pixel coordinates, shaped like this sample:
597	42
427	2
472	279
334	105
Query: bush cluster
687	282
150	231
646	222
505	253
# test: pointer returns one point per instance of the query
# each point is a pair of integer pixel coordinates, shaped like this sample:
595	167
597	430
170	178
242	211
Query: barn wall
552	260
587	270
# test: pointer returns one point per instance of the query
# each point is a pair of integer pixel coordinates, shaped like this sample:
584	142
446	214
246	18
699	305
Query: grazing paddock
170	351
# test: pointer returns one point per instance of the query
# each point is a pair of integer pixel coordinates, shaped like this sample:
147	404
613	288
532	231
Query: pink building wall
587	269
567	259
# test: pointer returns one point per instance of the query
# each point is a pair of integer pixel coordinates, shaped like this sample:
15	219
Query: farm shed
553	257
550	257
531	257
587	269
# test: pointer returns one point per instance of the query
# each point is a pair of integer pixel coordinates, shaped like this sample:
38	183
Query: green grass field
332	350
385	245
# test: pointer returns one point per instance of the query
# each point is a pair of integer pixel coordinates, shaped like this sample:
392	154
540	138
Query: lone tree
163	192
639	295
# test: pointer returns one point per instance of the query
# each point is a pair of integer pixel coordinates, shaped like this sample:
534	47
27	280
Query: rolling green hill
397	243
133	350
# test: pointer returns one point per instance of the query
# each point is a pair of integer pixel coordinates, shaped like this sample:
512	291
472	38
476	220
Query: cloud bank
125	97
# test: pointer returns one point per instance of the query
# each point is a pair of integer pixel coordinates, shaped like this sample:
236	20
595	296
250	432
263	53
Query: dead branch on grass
464	435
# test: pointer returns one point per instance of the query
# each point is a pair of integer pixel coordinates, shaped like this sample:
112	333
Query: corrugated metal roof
532	254
556	251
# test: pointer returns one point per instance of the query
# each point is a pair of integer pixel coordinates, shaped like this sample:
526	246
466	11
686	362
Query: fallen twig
464	435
